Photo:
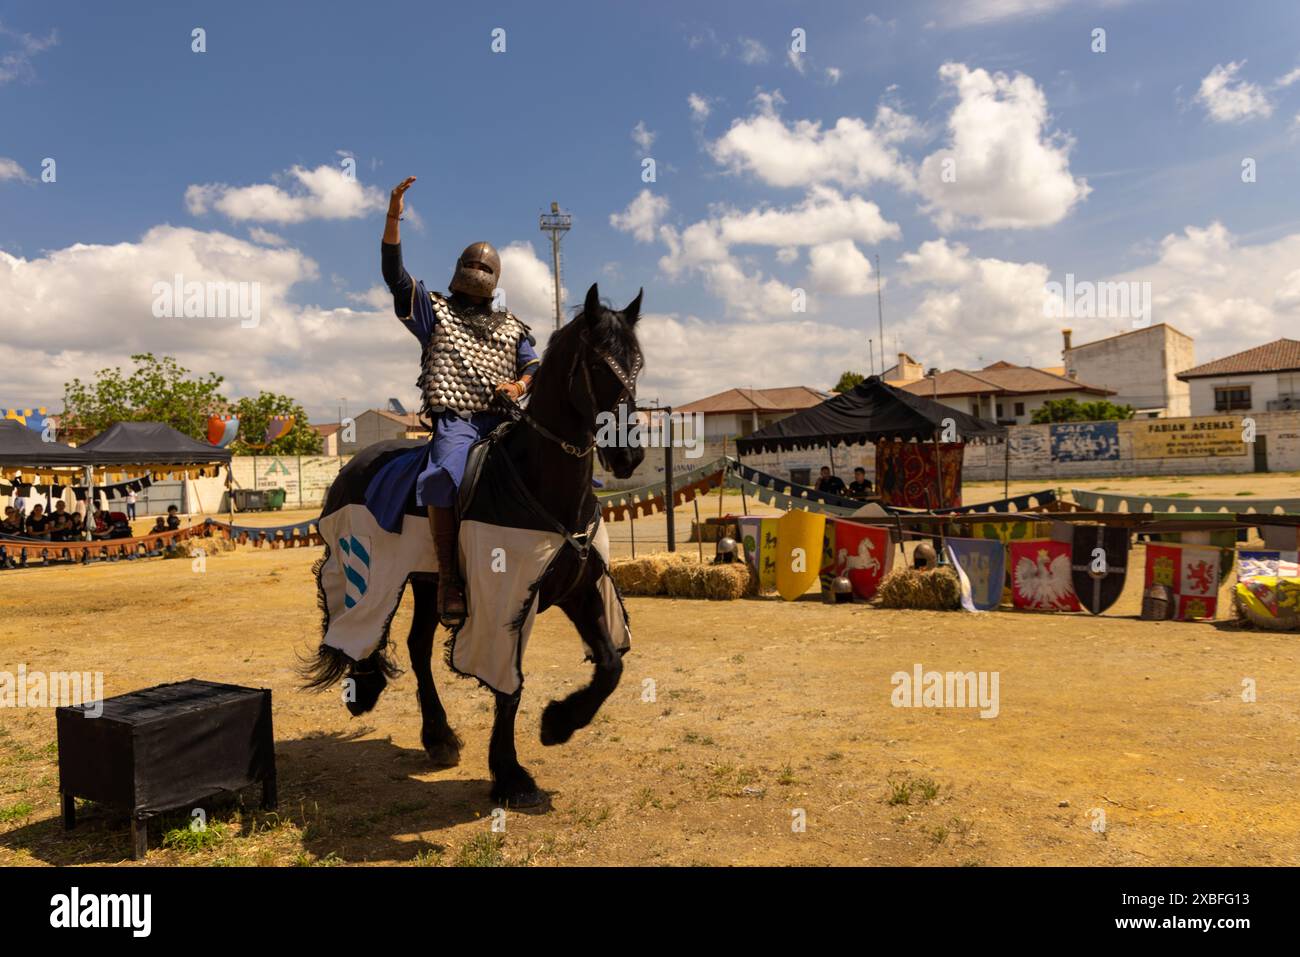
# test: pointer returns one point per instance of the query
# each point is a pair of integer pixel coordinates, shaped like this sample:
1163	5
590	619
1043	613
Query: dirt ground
735	721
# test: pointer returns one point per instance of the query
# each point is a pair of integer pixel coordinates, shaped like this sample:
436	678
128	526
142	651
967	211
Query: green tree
255	413
1072	410
158	389
848	380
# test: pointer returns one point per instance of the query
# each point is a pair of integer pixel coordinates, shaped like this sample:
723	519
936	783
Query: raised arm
395	274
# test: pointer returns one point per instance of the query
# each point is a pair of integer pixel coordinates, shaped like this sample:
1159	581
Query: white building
1140	367
738	412
1002	392
1263	379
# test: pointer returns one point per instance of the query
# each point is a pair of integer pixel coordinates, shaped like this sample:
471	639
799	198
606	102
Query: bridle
626	378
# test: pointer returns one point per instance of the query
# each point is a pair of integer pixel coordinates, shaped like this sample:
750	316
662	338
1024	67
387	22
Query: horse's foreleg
512	785
561	718
441	743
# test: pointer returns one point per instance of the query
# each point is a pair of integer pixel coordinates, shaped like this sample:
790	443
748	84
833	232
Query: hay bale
684	580
937	590
644	575
726	582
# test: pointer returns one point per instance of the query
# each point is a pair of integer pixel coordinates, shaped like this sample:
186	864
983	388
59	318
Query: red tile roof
1004	378
1280	356
787	399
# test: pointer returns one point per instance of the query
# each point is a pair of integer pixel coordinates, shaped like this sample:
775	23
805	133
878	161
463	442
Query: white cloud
642	137
530	287
642	216
700	107
1001	168
1228	99
751	51
832	75
802	153
19	50
1289	78
825	215
99	298
11	170
965	12
688	358
1228	295
972	307
839	269
265	237
320	193
797	61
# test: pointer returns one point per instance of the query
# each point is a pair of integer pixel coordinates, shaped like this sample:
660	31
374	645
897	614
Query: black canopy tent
21	447
153	444
872	411
150	443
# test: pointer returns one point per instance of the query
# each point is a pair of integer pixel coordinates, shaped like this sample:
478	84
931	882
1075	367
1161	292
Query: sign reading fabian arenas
1207	437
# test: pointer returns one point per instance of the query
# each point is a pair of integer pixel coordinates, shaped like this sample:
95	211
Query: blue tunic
435	470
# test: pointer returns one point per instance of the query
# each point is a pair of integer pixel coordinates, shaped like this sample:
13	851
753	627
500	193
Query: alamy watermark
620	430
952	689
52	689
179	299
1098	300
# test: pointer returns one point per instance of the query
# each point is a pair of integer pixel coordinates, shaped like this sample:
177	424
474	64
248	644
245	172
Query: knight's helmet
478	270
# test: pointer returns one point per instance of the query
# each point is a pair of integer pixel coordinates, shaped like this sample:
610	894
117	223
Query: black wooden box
164	748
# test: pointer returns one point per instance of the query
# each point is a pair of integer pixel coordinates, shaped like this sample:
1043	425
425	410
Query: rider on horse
469	354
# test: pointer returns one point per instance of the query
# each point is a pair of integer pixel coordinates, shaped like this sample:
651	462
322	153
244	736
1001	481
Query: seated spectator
60	530
38	525
860	487
100	527
831	484
173	518
13	522
159	525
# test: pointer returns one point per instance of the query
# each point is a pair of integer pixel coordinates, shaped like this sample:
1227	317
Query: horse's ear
632	311
591	308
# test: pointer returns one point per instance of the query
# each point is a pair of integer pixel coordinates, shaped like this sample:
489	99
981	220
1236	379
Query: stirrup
451	618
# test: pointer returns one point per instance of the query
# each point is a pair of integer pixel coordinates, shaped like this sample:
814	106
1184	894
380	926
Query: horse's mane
609	332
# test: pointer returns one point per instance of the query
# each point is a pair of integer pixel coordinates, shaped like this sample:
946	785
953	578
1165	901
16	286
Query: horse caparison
583	374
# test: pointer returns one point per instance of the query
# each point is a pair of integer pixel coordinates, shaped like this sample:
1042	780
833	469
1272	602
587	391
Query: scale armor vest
466	358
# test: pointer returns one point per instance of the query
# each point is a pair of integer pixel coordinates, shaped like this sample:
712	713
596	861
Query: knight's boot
451	591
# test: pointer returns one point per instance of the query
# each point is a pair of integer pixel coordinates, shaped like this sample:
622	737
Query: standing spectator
860	487
20	502
130	503
831	484
173	518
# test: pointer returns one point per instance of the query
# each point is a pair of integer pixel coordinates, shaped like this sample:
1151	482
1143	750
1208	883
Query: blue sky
776	172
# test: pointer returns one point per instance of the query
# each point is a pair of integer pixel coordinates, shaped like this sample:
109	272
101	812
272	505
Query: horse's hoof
556	726
443	754
528	798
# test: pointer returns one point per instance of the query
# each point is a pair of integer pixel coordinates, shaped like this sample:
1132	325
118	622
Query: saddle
475	459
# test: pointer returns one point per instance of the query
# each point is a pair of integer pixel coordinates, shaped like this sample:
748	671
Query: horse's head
585	393
608	359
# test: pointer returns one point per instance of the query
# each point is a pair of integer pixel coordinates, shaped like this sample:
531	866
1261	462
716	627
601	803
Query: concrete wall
1053	453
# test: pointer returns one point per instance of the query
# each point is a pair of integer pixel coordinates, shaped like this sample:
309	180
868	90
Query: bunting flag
981	567
1100	564
1191	572
861	553
222	430
1041	578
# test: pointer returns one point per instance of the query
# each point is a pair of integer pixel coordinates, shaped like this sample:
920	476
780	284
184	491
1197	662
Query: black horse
541	467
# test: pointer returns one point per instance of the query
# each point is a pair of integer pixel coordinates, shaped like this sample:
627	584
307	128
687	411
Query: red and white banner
1191	572
1041	576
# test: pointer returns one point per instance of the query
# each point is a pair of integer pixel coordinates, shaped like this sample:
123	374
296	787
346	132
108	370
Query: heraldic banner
1191	572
